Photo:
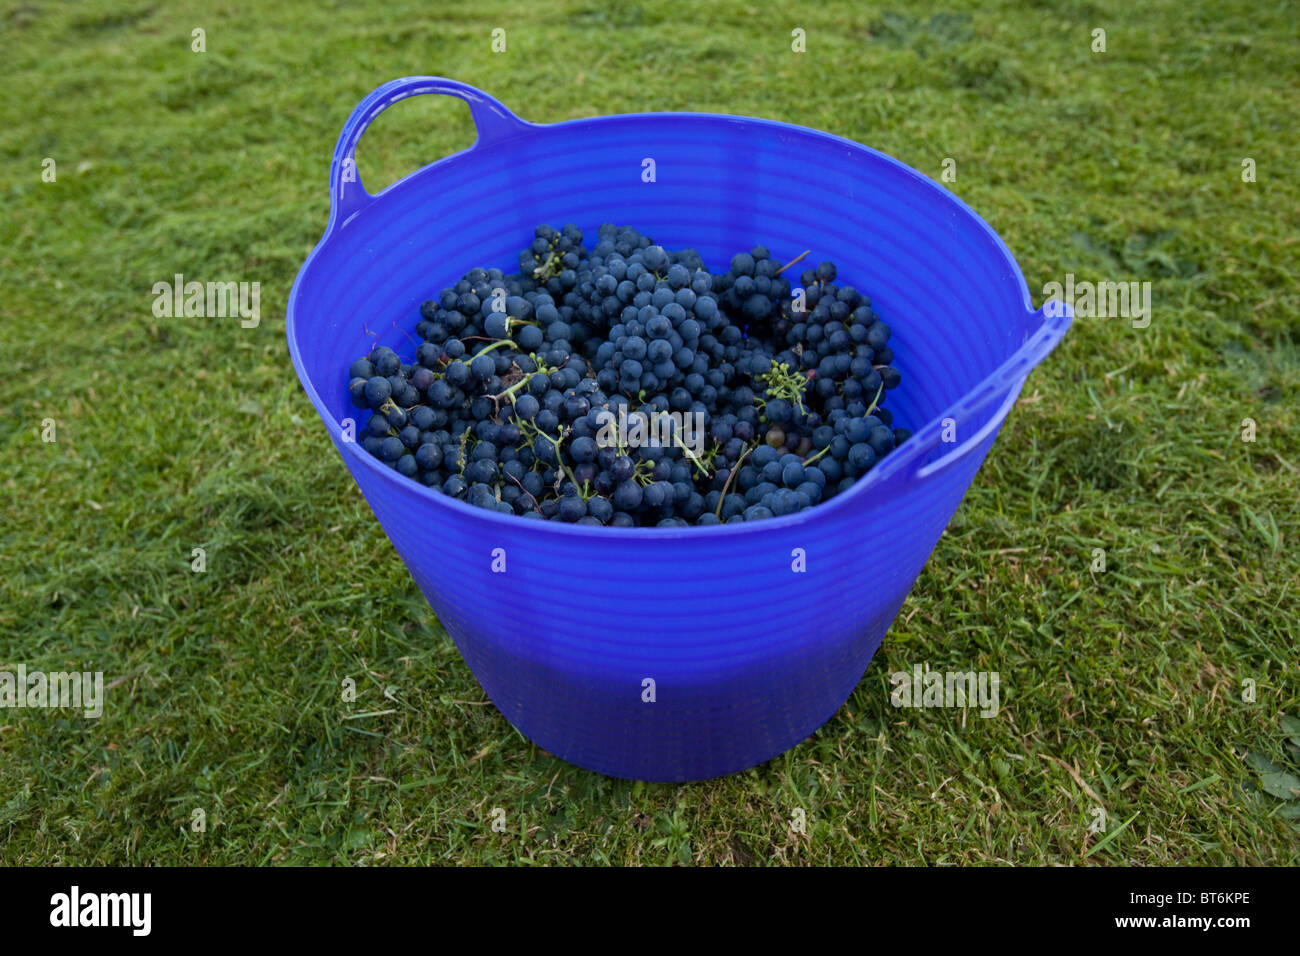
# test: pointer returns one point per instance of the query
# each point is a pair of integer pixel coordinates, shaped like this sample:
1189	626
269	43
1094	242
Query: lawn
1150	712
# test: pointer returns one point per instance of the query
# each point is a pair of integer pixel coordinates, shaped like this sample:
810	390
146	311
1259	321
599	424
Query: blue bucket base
688	733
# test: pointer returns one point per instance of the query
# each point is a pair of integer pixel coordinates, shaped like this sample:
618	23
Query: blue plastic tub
748	656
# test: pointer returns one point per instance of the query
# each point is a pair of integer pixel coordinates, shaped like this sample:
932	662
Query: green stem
730	478
542	369
495	345
464	451
695	459
876	400
510	392
810	460
559	455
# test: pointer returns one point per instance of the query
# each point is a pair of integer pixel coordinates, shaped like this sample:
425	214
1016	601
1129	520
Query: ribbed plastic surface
747	655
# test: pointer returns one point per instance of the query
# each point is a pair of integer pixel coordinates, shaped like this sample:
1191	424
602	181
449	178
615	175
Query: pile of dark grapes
515	395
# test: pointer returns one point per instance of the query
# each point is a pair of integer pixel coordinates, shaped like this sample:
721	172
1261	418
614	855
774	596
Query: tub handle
492	120
995	420
1006	381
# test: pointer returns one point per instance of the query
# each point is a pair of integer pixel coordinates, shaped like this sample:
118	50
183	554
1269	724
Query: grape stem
799	258
541	369
536	503
875	402
559	459
809	461
464	447
690	454
495	345
695	459
731	477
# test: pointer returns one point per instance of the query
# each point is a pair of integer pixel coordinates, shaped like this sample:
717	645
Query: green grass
1120	689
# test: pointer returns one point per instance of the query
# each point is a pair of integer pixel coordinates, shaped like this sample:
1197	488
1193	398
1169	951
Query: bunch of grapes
517	395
